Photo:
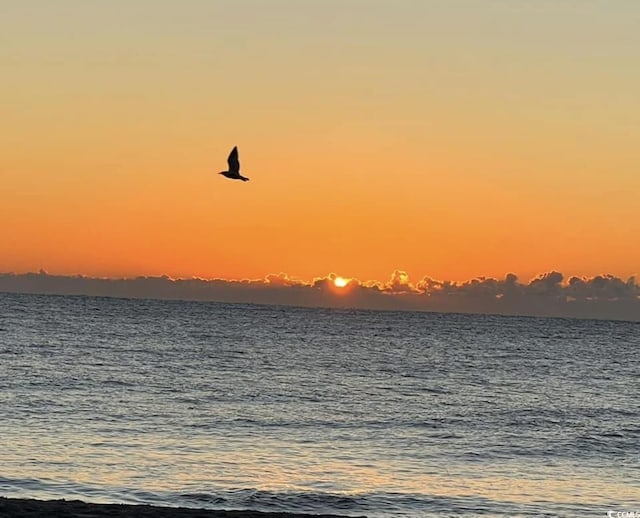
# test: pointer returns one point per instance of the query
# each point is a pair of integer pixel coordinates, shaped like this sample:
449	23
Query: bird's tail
244	178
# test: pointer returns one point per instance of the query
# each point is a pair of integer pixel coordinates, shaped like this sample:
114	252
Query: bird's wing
234	163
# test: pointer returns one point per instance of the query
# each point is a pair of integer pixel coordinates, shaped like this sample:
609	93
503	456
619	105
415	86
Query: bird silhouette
234	166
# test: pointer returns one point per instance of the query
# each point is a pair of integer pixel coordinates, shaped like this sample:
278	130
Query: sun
340	282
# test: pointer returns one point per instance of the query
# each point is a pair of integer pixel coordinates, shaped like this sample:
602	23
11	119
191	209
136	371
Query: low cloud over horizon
548	294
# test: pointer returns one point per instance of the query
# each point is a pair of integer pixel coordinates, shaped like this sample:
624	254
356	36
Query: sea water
232	406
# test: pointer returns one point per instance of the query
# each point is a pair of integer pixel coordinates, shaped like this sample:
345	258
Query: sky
446	139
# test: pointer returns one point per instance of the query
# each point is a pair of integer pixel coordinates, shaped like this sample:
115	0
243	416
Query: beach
28	508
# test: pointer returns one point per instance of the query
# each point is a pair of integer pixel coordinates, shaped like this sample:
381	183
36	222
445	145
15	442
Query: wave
242	499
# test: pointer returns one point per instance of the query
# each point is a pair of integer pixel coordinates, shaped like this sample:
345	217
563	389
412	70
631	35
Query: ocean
239	406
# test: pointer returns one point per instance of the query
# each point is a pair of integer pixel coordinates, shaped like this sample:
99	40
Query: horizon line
604	297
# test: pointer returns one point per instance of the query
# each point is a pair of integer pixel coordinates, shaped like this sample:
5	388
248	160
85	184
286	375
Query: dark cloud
546	284
602	287
399	283
280	279
603	296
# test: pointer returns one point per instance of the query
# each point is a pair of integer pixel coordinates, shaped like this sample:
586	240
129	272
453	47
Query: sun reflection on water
198	463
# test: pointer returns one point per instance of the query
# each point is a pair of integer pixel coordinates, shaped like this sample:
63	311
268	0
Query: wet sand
22	508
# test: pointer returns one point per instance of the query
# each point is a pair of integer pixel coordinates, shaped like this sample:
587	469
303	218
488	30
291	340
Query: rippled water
310	410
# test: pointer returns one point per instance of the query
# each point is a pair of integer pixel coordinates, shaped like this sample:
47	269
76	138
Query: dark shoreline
29	508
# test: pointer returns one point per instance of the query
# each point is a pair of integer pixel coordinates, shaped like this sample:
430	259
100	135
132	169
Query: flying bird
234	166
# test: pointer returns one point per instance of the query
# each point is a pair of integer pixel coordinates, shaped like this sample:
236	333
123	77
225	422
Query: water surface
315	410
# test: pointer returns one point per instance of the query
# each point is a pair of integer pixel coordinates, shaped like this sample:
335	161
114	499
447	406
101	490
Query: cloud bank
549	294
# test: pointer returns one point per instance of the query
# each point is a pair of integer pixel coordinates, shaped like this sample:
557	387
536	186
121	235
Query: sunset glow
340	282
475	150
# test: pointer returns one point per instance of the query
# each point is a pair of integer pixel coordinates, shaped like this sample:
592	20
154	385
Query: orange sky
444	139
